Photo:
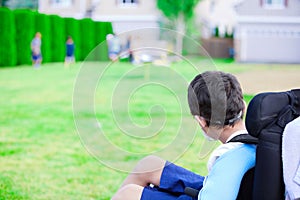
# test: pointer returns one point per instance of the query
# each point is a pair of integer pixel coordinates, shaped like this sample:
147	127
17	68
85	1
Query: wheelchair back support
266	118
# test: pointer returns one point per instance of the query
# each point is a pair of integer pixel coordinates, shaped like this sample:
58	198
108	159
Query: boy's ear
245	107
201	121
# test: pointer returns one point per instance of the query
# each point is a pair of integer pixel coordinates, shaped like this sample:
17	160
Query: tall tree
179	12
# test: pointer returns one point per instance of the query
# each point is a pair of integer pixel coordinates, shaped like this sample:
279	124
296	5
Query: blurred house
135	19
65	8
268	31
263	30
218	19
218	14
125	15
128	14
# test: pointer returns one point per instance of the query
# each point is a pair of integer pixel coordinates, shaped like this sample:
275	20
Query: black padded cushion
264	108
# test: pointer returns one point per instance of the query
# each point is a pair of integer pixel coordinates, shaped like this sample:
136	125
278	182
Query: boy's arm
223	181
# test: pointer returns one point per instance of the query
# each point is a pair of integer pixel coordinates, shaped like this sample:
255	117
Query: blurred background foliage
15	4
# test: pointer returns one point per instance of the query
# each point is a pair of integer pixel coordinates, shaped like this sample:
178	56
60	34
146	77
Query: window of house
127	2
274	4
61	3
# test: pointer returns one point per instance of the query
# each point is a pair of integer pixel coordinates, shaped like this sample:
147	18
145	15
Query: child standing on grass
70	47
114	47
36	54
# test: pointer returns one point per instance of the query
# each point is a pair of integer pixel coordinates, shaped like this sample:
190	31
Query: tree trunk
180	28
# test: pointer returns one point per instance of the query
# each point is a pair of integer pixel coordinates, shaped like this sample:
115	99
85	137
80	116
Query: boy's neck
229	130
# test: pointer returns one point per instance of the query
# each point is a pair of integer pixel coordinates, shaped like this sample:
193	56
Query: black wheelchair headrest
264	108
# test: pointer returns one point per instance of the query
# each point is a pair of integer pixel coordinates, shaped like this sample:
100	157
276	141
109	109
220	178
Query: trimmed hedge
109	28
101	50
24	22
42	25
18	29
58	38
87	29
7	43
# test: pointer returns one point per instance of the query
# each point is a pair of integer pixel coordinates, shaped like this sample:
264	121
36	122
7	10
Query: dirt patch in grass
269	80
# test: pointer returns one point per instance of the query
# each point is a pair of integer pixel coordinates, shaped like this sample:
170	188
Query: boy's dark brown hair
217	97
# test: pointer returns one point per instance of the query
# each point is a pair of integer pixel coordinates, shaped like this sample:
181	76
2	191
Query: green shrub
7	35
58	38
216	32
18	28
109	28
42	25
24	34
72	27
87	27
101	51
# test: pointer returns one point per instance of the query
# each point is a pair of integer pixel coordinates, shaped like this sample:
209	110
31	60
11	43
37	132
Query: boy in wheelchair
216	101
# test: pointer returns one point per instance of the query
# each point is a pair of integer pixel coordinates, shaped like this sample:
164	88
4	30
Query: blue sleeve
223	181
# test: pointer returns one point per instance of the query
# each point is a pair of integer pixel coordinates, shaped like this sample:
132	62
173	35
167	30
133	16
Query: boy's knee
150	164
149	170
130	191
151	158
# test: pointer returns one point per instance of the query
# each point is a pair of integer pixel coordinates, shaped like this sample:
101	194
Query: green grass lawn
122	113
